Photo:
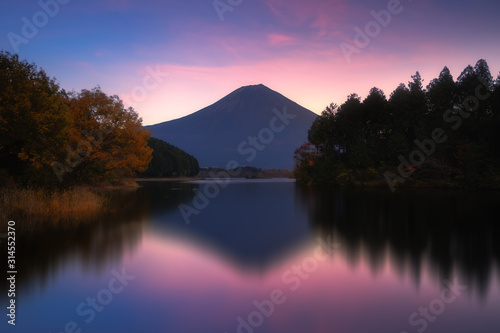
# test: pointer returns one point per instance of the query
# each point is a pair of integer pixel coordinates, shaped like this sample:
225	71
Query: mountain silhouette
253	125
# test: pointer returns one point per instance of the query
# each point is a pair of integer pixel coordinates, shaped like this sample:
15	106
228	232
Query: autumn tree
305	158
33	121
107	142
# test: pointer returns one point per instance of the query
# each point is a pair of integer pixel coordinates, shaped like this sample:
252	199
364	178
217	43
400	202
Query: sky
170	58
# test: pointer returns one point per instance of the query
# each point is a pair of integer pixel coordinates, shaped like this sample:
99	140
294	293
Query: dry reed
44	205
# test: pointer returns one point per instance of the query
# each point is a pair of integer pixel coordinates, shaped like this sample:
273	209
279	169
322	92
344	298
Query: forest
51	138
169	161
57	147
443	135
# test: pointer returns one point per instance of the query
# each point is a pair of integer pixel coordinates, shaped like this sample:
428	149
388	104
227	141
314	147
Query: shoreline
180	179
409	185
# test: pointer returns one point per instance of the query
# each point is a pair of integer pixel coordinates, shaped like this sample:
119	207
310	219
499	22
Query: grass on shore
44	205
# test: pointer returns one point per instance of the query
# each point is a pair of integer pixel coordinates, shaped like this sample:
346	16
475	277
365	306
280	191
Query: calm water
266	256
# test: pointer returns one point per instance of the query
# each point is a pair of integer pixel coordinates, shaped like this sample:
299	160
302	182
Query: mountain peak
255	87
218	133
260	85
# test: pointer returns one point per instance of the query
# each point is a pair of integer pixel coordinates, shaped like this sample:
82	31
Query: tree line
50	137
446	134
170	161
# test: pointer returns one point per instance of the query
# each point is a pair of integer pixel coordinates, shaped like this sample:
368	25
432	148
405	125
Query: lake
266	256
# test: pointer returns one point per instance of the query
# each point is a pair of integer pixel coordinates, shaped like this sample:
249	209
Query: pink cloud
277	39
319	15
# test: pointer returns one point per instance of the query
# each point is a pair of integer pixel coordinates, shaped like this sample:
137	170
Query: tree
418	108
401	135
50	137
496	120
478	113
351	133
170	161
485	79
305	157
452	125
33	121
466	83
442	93
321	132
376	130
441	97
113	139
482	70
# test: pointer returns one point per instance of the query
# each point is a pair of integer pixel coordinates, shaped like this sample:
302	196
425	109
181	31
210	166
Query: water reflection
447	231
94	245
251	223
255	225
255	237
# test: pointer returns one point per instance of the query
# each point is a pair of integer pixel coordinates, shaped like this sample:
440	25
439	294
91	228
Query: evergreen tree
441	98
376	113
400	131
321	134
377	134
482	70
418	109
169	161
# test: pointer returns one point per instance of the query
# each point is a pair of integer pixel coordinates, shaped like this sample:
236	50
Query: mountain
253	125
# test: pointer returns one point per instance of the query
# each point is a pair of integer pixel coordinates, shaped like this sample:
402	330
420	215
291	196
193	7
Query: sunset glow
292	47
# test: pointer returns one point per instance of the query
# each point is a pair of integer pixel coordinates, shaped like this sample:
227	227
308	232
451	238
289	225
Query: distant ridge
229	130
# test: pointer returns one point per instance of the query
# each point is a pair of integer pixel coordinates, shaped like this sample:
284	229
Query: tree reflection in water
95	244
444	232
